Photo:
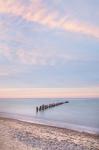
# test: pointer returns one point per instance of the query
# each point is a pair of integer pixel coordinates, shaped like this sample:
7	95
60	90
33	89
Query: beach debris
44	107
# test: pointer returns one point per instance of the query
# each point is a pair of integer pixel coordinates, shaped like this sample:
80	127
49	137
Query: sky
49	48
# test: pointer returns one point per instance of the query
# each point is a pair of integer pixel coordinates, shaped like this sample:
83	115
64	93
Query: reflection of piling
44	107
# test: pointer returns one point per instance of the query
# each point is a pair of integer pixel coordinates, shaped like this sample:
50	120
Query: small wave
31	119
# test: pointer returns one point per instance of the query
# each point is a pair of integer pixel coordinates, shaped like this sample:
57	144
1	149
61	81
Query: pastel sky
49	48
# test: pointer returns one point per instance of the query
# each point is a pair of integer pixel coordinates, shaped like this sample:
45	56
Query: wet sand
18	135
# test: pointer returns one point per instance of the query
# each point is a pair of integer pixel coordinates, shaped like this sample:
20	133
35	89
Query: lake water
78	114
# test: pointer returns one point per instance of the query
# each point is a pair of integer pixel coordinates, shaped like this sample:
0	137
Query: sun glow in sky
49	48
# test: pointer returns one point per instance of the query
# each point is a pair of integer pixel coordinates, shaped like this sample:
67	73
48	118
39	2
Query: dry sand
17	135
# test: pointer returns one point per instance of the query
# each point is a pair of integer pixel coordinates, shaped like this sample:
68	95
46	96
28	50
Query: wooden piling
44	107
36	109
40	108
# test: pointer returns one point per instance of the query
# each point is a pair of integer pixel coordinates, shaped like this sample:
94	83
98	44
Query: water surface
79	114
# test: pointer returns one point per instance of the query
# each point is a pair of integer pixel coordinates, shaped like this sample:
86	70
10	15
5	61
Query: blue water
81	114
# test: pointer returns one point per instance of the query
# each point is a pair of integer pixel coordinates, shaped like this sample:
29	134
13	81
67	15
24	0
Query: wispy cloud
36	57
39	57
6	70
6	51
43	57
38	12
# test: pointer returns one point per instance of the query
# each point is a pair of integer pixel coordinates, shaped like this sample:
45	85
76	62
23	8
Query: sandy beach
17	135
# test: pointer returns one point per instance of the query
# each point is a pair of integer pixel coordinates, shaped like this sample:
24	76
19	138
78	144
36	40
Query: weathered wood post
36	109
40	108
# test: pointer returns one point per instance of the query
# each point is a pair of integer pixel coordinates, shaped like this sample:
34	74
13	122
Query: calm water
79	114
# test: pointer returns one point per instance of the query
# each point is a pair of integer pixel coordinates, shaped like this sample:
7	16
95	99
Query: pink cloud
6	70
4	50
49	92
40	57
37	12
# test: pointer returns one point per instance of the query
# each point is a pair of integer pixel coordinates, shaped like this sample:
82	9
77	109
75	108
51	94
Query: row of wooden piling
44	107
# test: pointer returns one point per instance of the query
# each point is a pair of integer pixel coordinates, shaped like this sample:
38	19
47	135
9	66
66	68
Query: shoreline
19	135
49	126
32	120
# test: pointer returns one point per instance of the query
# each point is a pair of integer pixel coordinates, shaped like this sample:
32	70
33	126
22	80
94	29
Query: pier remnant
44	107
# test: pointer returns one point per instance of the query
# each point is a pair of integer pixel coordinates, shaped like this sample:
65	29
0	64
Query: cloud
6	70
37	12
35	56
5	51
49	92
39	57
43	57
